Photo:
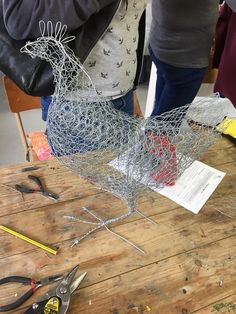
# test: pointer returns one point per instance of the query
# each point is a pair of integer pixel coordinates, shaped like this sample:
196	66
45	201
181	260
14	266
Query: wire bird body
121	154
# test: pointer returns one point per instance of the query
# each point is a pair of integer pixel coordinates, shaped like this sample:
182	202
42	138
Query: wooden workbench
190	261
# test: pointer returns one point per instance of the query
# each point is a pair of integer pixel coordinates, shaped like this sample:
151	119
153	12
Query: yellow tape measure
52	306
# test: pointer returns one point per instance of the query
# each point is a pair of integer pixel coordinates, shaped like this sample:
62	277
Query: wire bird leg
104	223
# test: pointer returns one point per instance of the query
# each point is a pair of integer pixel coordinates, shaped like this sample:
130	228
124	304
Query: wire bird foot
104	224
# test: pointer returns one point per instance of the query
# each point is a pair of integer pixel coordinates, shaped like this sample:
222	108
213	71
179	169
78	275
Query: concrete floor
11	149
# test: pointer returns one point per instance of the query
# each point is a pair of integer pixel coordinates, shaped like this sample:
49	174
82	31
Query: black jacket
86	19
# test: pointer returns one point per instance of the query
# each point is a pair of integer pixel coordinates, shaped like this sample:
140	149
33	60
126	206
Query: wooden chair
19	101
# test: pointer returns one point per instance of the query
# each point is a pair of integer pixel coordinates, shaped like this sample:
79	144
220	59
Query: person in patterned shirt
109	39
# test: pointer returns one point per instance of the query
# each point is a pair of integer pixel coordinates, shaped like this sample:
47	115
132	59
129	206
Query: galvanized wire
122	154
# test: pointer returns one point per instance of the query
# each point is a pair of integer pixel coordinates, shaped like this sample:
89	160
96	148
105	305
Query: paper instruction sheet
194	187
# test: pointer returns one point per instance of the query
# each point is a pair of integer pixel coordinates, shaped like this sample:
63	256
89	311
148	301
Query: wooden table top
190	260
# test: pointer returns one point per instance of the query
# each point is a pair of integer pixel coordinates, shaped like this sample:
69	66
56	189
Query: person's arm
22	17
220	34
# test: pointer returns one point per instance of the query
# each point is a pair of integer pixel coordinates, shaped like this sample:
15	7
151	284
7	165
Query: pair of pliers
57	300
24	189
26	281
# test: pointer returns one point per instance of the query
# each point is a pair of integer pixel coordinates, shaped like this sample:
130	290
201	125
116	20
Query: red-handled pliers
26	281
24	189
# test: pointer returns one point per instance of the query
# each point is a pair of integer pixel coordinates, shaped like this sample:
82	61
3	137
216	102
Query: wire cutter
57	300
26	281
24	189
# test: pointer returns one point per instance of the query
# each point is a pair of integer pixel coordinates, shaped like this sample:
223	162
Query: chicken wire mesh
122	154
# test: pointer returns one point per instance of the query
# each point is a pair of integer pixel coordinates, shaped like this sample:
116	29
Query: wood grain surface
190	260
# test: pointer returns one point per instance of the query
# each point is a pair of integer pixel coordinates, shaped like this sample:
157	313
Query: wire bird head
50	39
72	81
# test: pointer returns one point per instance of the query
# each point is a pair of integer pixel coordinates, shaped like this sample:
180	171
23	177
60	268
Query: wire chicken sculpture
119	153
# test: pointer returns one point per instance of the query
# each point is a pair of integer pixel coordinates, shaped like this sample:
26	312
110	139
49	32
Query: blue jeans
175	86
124	103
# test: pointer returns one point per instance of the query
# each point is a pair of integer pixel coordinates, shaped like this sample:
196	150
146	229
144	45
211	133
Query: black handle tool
26	281
24	189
